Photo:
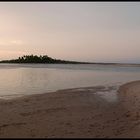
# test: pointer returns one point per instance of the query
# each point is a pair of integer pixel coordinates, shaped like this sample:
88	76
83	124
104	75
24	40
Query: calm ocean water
26	79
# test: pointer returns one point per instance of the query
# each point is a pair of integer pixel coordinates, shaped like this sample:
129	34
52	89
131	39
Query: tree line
38	59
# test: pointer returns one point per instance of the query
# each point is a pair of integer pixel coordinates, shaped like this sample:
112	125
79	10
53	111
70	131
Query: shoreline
82	88
72	113
79	63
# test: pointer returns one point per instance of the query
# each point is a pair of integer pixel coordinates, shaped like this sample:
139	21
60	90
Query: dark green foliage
38	59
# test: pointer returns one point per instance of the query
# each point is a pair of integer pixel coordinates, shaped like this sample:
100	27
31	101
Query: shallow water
26	79
109	95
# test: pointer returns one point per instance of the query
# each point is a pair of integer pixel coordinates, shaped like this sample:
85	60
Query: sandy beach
73	113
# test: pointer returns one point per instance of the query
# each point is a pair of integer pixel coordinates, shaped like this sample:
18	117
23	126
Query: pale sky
81	31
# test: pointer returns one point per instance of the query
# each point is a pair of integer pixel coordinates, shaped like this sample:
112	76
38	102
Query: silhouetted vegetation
46	59
39	59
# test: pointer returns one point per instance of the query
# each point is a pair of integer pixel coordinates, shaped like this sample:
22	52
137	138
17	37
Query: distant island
40	59
48	60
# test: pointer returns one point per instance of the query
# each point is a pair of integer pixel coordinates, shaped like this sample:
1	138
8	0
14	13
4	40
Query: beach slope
72	113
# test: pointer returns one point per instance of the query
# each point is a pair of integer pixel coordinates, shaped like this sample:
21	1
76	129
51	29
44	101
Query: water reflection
34	79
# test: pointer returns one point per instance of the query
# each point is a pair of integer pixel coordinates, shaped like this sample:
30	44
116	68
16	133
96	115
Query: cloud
17	42
10	42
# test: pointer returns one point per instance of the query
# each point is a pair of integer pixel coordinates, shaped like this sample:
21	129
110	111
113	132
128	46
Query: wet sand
72	113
